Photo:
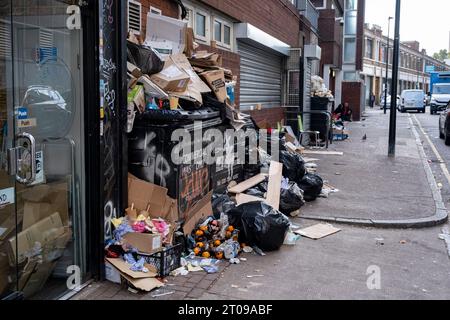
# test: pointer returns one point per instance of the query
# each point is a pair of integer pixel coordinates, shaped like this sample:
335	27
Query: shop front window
41	222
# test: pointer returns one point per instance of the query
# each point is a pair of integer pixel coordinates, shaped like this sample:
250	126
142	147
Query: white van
413	100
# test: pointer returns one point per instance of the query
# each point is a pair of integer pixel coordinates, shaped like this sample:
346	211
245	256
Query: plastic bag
293	166
291	198
312	185
221	203
260	225
144	58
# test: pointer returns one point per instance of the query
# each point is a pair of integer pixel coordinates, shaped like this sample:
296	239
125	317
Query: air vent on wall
134	16
5	41
45	39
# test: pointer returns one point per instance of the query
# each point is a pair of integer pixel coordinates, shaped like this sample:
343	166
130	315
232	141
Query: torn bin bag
293	166
260	225
291	198
221	203
312	185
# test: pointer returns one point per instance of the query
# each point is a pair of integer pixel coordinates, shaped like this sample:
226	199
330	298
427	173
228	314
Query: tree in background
442	55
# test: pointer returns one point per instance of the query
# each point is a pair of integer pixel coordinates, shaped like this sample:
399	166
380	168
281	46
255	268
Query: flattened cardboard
151	88
201	210
196	85
216	81
142	194
247	184
124	269
147	284
274	188
318	231
144	243
44	232
54	194
34	212
243	198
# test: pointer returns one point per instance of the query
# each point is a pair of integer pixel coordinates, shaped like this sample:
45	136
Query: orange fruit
197	251
219	255
206	255
199	233
217	243
204	228
200	245
230	229
228	235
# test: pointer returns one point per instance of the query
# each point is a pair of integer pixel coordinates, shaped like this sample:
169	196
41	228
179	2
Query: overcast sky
427	21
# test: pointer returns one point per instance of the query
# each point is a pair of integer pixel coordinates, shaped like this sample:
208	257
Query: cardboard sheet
274	188
245	198
124	268
201	210
146	284
318	231
250	183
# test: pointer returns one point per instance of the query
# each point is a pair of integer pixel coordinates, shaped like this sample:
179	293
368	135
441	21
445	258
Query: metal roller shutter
261	74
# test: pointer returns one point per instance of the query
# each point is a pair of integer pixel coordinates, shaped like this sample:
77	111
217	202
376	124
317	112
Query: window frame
224	24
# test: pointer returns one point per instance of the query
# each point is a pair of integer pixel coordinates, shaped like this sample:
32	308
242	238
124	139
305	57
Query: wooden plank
242	198
326	153
250	183
274	188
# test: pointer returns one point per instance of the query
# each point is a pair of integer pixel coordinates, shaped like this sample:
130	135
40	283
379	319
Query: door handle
32	149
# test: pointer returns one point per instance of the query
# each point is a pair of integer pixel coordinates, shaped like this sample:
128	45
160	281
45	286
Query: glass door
41	222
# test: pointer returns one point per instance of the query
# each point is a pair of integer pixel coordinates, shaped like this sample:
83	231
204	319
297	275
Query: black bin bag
144	58
221	203
312	185
260	225
293	166
291	199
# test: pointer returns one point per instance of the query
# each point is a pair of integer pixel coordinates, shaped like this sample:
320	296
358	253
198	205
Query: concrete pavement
377	190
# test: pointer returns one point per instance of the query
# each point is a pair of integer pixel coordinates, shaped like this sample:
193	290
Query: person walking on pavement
372	100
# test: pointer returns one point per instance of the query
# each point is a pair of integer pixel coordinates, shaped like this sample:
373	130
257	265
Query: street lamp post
393	118
387	67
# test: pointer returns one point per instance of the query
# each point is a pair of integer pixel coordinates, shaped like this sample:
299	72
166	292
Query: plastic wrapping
144	58
221	203
260	225
291	198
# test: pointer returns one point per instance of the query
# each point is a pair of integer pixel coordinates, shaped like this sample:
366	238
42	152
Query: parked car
49	108
388	104
444	125
412	100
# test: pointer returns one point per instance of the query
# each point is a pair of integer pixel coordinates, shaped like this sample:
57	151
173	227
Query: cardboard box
44	232
151	88
216	81
143	242
44	200
196	85
143	193
172	78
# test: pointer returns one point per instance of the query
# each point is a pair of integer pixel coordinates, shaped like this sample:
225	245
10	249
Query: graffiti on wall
109	125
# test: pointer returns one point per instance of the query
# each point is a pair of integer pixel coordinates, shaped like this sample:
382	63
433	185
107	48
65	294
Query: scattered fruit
206	255
199	233
197	251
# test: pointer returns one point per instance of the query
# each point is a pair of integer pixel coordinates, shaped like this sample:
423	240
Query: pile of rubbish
168	76
319	89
